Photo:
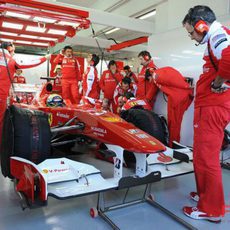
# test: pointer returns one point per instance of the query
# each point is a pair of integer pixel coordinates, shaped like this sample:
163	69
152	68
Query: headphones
201	27
146	57
198	23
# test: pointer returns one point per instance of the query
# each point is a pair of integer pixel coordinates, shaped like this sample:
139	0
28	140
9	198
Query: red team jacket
146	89
19	79
108	83
120	92
220	52
70	67
90	83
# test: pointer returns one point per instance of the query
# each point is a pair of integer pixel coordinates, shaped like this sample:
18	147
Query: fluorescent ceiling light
40	44
7	33
48	39
147	15
179	56
28	36
12	25
187	51
112	30
17	15
35	29
59	32
7	40
156	58
40	19
23	42
64	23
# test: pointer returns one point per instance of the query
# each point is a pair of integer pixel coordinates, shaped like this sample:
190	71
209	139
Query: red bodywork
100	125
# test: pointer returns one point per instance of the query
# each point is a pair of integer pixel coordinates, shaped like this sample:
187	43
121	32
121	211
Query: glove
149	73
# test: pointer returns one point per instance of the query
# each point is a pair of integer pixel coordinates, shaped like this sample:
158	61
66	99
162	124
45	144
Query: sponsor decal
152	142
133	131
111	119
142	136
50	118
99	130
46	171
220	41
218	36
62	115
164	158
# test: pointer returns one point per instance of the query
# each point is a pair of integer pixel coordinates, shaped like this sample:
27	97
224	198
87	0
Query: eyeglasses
191	33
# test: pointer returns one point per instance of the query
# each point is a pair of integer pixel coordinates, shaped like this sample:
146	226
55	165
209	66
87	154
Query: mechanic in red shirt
123	87
90	81
108	82
71	75
8	66
58	75
146	88
18	78
212	112
130	74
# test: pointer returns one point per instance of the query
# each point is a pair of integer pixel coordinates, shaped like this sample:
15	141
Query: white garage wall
172	47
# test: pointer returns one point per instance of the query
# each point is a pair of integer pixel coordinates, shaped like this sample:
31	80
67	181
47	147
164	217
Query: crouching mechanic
212	112
8	66
129	101
70	75
123	87
90	81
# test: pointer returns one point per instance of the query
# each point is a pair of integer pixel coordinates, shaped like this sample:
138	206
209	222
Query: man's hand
219	88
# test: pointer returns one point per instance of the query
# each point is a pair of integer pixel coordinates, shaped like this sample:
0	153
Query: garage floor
73	214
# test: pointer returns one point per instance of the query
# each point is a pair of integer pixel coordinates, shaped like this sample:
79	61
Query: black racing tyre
147	121
26	134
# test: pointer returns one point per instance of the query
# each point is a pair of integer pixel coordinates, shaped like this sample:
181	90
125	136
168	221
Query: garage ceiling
127	8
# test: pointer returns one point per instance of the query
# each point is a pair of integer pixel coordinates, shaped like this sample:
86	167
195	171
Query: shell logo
50	118
45	171
112	119
152	142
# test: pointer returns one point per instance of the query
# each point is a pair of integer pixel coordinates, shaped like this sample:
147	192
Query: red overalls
212	114
146	89
70	77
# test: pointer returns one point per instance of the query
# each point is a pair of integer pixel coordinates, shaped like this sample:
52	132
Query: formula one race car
30	131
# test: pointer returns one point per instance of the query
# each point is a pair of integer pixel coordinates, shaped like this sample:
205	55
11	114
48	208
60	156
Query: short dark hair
128	95
144	53
199	12
127	67
67	48
4	45
126	80
95	59
112	62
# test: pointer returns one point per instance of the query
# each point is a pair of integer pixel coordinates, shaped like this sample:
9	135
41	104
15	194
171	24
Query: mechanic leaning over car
90	81
212	112
146	88
71	75
8	66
